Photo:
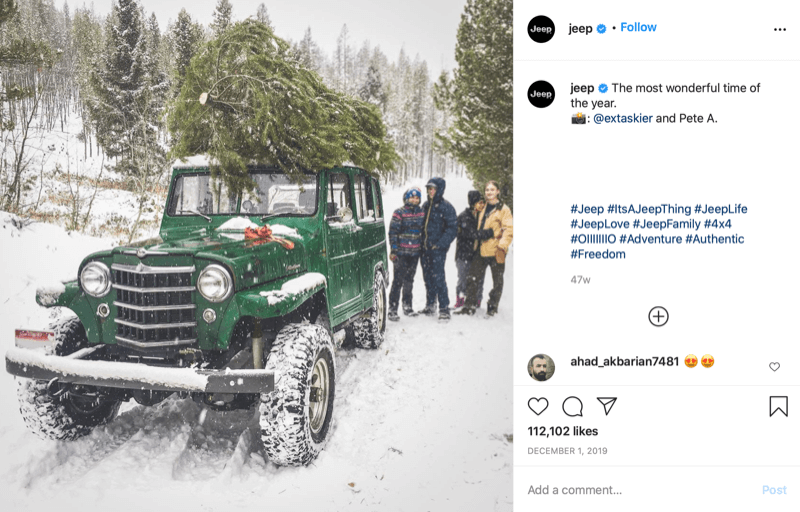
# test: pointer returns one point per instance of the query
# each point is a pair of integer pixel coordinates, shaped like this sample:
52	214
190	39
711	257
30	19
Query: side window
376	189
365	202
338	193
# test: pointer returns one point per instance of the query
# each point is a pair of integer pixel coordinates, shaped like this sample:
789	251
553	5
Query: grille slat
154	305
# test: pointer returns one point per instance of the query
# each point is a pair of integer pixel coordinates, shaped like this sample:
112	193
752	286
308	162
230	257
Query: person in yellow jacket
490	253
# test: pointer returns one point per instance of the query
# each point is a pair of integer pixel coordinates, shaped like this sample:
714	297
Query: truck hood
252	261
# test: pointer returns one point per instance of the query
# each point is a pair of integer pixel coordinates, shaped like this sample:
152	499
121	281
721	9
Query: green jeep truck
220	310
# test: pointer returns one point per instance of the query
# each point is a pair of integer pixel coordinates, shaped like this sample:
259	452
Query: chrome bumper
34	364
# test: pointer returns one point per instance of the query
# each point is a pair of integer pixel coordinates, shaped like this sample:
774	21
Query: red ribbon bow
264	234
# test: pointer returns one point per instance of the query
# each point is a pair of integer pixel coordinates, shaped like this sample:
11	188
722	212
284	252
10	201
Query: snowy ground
420	424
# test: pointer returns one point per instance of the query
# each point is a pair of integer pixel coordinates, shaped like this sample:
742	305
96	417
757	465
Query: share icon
608	402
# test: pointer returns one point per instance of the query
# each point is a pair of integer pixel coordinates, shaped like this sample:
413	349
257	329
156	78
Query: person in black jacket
468	233
438	233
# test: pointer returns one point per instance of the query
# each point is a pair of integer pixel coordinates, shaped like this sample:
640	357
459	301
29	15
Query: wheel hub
319	395
380	307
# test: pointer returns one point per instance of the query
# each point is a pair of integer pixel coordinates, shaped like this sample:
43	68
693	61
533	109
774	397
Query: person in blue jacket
438	233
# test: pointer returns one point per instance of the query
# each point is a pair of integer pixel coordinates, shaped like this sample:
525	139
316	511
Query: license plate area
25	338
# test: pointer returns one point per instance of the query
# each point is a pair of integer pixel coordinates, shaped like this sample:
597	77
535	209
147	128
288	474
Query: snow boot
444	315
429	310
465	311
410	312
393	316
459	302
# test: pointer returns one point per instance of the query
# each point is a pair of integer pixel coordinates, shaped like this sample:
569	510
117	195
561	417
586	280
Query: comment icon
572	406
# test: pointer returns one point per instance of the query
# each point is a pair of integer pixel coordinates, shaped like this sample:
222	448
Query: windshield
274	193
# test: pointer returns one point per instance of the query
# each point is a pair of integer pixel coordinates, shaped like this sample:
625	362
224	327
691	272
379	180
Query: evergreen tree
263	16
479	97
342	60
257	104
187	35
24	46
156	73
372	89
87	37
221	17
308	52
125	100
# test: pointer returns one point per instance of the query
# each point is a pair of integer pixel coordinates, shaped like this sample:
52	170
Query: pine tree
125	103
222	17
156	73
308	52
372	89
342	58
30	49
263	16
87	37
187	35
479	97
258	104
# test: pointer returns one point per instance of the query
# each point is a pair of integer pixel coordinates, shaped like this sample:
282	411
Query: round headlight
214	283
96	279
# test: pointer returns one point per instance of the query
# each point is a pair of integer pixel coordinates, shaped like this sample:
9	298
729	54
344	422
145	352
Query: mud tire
370	331
63	418
294	429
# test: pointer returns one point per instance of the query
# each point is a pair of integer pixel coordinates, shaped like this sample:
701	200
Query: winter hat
412	192
473	196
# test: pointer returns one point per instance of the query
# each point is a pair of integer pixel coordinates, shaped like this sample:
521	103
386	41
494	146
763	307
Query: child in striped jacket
405	239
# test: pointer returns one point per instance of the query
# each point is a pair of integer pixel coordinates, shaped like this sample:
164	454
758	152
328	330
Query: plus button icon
658	316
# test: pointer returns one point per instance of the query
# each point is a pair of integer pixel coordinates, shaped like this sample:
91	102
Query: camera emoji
578	118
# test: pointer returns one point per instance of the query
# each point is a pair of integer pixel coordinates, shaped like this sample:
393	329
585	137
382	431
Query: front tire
296	416
68	416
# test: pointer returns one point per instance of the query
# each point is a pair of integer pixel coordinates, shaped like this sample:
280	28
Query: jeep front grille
154	306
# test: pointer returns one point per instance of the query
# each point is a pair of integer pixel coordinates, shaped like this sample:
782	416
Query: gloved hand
393	256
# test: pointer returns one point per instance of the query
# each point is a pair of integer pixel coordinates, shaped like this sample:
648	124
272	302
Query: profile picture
541	367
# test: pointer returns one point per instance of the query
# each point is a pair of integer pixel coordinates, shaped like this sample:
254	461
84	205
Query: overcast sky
424	27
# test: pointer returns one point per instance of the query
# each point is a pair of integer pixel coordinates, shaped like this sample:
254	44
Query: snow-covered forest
85	116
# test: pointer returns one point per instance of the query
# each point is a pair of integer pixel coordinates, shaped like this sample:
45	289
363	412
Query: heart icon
538	405
774	366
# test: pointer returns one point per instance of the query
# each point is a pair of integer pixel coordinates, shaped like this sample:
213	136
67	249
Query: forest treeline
117	75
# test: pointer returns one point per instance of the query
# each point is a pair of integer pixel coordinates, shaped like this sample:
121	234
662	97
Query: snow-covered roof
192	162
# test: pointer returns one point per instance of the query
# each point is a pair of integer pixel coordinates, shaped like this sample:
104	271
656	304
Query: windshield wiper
196	213
271	215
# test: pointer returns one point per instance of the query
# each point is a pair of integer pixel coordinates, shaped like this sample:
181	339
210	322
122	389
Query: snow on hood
294	286
240	223
281	230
